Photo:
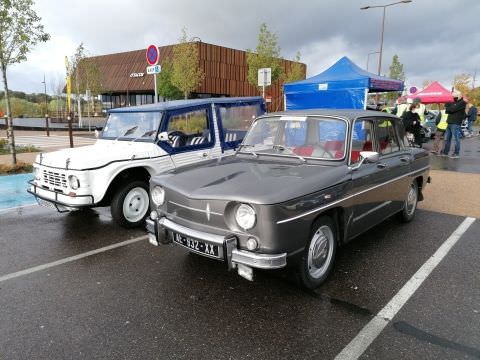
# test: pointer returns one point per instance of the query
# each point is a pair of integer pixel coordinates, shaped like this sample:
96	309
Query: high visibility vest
401	109
442	125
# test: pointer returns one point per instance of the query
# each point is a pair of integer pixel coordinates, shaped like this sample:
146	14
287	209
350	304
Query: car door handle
405	159
382	165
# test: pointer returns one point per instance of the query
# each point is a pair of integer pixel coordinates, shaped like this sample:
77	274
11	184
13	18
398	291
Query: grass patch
20	149
20	168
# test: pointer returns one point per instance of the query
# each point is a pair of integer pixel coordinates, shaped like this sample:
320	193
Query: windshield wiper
128	132
247	146
145	134
291	152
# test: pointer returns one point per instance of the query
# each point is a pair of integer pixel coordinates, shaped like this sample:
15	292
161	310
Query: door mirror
369	156
366	157
163	136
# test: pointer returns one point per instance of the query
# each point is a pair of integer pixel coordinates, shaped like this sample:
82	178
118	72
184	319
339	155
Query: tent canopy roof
345	74
433	93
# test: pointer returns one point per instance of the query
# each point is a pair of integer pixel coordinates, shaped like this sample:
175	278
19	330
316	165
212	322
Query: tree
296	70
266	55
461	82
165	88
396	72
20	30
186	74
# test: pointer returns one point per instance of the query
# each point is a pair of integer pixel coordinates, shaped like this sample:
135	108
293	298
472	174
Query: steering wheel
320	151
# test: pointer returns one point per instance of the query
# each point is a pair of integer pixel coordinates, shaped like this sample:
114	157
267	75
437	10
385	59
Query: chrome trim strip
359	217
350	196
259	261
194	209
200	235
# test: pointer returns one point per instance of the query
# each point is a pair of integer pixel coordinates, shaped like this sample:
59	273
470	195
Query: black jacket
411	121
456	112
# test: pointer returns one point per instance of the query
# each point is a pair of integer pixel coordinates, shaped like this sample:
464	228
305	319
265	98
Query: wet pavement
143	302
468	162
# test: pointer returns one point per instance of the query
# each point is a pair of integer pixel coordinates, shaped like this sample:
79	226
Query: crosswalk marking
43	141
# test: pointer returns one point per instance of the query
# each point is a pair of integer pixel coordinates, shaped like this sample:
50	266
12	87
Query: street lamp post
368	56
383	27
46	105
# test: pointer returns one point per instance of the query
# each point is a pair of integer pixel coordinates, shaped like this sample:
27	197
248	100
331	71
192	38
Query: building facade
125	81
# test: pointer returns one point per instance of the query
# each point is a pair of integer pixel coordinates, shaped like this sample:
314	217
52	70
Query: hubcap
320	252
135	205
411	202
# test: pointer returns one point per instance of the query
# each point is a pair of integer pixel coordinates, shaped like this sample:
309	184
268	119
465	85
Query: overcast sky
435	40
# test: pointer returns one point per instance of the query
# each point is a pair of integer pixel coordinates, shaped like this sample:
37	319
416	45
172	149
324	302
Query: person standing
471	112
441	124
456	114
411	121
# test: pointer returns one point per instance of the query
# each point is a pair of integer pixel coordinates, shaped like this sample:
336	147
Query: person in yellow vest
441	122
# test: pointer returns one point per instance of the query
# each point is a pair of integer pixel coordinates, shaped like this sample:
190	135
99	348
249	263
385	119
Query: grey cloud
434	39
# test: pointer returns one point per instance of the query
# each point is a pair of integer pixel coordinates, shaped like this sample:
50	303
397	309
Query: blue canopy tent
342	86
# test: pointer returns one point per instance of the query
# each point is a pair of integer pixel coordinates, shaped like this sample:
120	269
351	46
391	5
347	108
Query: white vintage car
137	143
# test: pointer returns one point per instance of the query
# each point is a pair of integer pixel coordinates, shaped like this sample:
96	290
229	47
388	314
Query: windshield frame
133	138
294	156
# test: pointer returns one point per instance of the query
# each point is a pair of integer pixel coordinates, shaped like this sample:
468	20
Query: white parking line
70	259
370	332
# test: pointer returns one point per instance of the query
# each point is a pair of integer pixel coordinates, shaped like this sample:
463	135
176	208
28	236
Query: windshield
141	126
305	137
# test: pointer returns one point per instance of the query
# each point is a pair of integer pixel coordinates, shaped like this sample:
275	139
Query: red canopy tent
433	94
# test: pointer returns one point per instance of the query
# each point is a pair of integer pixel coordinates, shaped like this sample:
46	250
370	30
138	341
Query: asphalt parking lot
75	286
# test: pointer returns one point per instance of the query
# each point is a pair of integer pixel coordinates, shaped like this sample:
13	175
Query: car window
189	128
387	139
236	120
139	126
362	137
310	136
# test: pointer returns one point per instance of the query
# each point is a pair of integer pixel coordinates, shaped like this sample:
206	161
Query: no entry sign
152	54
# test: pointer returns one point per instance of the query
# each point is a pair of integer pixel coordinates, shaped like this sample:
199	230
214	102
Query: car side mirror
366	157
370	156
163	136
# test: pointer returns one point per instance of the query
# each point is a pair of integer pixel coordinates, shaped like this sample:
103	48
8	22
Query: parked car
136	143
301	184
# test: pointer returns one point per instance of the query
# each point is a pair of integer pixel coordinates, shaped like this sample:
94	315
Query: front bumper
162	231
59	201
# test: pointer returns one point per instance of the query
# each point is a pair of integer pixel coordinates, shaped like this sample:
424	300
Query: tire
130	204
410	204
319	255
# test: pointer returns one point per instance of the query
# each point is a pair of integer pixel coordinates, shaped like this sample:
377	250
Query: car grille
54	178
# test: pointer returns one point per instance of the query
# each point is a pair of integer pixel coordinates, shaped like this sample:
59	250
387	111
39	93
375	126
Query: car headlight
36	173
73	182
245	217
158	195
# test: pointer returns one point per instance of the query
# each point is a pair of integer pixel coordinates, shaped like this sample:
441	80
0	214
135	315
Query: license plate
196	245
47	204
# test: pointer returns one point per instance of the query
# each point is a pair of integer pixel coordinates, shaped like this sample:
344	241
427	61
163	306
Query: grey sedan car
301	184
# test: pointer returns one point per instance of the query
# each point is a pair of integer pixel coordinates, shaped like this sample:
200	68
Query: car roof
177	104
348	114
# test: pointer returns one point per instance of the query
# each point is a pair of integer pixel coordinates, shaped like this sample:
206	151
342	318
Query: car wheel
319	254
130	204
410	204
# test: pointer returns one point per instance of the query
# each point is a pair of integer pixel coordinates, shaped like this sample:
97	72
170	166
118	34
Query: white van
135	144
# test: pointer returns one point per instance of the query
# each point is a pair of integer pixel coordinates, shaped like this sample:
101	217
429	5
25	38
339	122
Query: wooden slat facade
225	73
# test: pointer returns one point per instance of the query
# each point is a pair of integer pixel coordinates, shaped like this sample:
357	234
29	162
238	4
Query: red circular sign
152	54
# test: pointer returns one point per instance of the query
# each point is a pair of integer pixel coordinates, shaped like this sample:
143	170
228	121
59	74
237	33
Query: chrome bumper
162	229
59	201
